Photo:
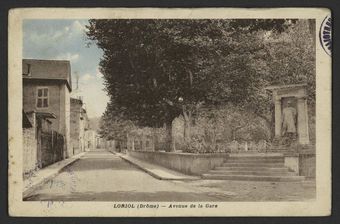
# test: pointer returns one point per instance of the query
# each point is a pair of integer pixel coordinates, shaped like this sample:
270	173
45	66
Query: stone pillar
143	142
302	121
133	144
278	117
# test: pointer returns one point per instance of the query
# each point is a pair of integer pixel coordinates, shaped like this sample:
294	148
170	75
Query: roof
47	70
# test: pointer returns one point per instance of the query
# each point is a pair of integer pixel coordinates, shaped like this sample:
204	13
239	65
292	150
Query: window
42	98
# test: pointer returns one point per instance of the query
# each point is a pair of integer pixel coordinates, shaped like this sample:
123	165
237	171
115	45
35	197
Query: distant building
46	91
90	140
79	124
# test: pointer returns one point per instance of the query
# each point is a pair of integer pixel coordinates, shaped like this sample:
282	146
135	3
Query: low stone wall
307	165
302	163
30	150
196	164
188	163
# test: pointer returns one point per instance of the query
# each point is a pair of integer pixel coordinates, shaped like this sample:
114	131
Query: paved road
103	176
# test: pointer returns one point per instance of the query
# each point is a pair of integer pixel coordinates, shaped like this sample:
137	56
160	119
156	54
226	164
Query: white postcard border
319	207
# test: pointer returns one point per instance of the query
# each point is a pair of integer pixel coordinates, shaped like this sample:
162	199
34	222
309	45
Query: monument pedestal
282	96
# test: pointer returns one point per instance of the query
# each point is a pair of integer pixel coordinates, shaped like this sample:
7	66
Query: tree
155	70
113	126
289	58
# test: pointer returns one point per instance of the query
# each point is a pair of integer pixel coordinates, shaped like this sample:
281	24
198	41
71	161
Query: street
103	176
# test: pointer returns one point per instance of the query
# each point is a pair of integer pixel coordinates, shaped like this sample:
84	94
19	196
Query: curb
112	152
37	185
145	170
156	175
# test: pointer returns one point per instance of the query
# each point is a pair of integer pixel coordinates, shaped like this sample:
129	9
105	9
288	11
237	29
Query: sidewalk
156	171
39	177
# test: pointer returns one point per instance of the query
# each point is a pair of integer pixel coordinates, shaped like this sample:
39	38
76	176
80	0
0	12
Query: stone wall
188	163
30	96
52	148
302	163
307	163
90	142
77	120
30	150
65	119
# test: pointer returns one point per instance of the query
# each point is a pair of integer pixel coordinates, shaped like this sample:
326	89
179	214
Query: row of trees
156	70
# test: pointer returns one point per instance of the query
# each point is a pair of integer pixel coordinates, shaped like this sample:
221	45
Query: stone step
253	178
248	172
252	164
268	169
256	157
254	161
255	154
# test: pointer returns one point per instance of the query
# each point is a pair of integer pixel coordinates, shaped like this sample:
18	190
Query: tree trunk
155	139
169	146
133	144
187	115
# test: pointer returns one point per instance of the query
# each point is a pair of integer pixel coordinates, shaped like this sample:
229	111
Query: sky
66	40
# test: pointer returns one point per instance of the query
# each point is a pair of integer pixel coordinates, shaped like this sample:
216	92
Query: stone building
91	142
46	91
79	124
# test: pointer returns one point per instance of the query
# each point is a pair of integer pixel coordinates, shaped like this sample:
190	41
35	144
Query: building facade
79	124
90	140
46	91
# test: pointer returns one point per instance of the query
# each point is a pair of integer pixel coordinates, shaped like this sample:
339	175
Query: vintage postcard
169	112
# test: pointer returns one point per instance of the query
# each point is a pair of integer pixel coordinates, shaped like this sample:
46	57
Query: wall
59	105
52	148
29	101
90	140
307	163
303	163
30	150
188	163
82	135
65	119
76	127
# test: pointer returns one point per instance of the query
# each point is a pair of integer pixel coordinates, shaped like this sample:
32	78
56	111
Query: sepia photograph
171	113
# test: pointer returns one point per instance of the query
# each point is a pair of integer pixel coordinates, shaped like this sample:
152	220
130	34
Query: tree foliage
155	70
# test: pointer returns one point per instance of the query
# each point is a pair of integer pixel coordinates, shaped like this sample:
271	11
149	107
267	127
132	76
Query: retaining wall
302	163
307	164
196	164
188	163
